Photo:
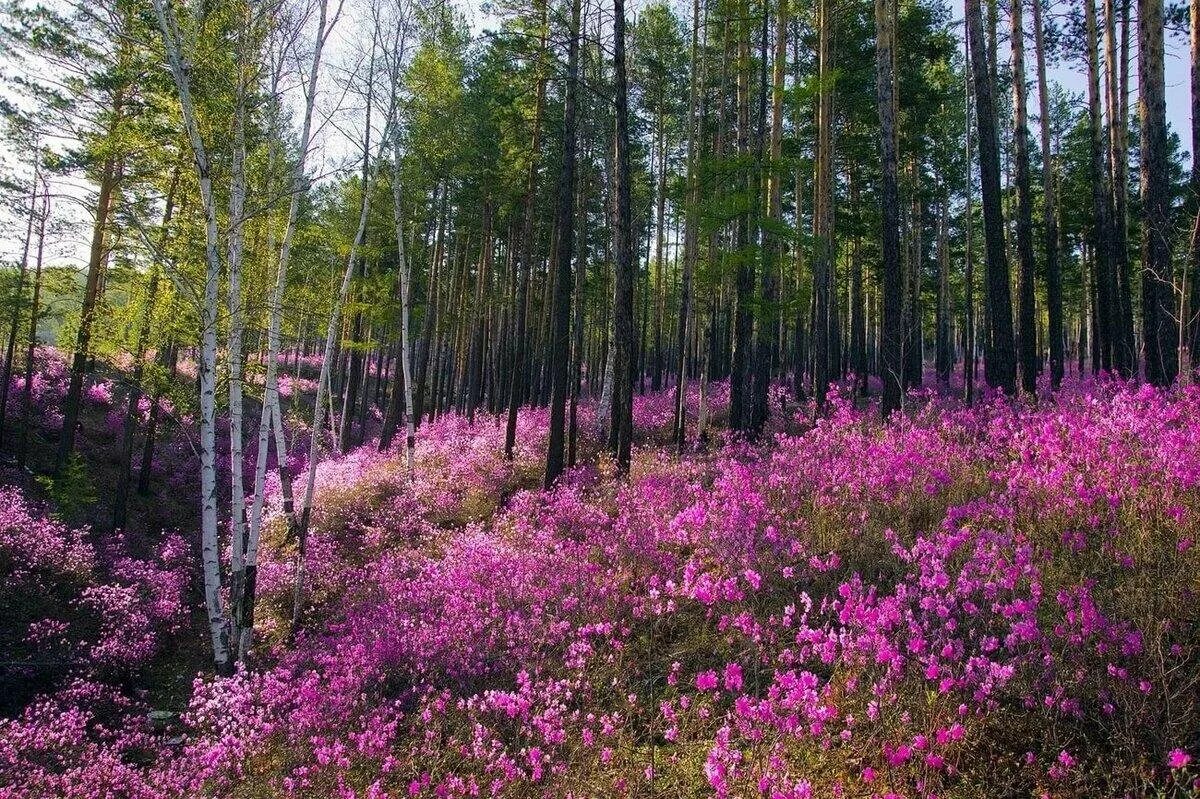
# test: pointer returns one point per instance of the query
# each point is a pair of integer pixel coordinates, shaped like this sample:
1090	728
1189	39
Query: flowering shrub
70	611
959	599
100	392
47	389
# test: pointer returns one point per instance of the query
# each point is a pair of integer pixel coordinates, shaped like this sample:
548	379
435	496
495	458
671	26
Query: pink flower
1177	758
706	680
733	677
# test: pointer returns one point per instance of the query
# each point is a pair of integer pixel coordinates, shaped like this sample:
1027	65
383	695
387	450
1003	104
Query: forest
574	398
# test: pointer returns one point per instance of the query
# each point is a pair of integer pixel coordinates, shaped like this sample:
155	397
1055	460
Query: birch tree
404	272
271	417
177	48
370	171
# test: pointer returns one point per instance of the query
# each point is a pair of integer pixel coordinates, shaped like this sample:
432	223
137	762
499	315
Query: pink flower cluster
78	622
959	599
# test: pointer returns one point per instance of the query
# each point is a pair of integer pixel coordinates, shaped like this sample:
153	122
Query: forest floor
965	598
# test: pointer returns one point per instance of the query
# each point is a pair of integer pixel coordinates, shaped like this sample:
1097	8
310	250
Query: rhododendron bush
962	602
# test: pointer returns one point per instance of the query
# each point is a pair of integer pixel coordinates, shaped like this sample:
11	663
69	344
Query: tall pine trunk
622	359
1054	298
19	291
31	348
999	362
1103	271
516	384
1027	335
110	177
885	88
1157	276
121	492
560	329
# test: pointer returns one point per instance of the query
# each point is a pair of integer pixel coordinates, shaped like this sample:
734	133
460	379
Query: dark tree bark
999	365
691	233
1193	316
858	305
346	437
740	398
110	177
31	348
914	273
656	359
516	384
1054	298
969	256
622	364
1027	335
1103	272
121	495
560	327
428	324
885	87
577	337
1157	277
1116	71
479	317
770	247
170	359
822	336
944	357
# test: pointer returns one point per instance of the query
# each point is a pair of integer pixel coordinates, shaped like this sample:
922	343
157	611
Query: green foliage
71	490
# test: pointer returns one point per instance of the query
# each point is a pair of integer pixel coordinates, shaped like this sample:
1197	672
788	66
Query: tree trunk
969	253
944	357
405	278
577	342
121	493
235	246
743	320
479	317
1193	316
560	329
1054	298
885	87
622	364
425	345
110	176
516	384
18	294
770	246
691	232
823	252
656	364
34	311
210	553
1157	276
1027	336
1103	273
999	366
1124	349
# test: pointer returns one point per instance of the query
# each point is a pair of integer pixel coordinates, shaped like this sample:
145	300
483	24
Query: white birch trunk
234	243
410	440
331	332
217	621
271	415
